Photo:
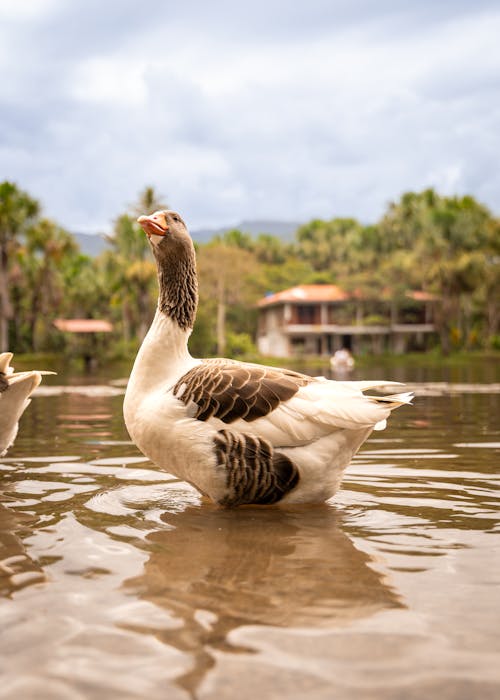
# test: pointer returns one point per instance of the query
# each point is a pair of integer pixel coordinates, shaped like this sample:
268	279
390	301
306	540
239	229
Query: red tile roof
83	325
418	295
306	293
317	293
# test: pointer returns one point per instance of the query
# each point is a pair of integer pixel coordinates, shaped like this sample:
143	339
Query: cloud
265	110
28	10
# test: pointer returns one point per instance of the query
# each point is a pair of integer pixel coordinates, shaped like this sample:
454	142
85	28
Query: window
307	314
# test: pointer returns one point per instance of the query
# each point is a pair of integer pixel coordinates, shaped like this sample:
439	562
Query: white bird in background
15	390
240	433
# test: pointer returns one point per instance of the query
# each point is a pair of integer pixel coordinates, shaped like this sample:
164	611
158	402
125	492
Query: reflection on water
265	567
256	569
118	581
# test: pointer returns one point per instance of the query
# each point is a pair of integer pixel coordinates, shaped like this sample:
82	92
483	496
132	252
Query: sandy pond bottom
116	581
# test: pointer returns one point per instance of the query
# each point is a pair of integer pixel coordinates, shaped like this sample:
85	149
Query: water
116	581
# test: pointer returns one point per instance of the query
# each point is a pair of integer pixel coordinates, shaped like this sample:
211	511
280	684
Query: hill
281	229
93	244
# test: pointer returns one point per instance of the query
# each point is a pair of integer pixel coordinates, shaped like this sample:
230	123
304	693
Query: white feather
320	428
14	400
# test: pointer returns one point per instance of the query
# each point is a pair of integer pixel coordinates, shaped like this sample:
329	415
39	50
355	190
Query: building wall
307	329
271	339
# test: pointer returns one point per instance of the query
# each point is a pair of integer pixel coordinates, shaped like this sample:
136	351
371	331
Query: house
88	331
318	319
83	325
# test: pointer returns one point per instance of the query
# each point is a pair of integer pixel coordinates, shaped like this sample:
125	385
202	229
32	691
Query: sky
269	109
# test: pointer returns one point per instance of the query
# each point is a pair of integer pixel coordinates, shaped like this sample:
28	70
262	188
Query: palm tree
17	211
49	247
444	239
149	201
328	244
130	267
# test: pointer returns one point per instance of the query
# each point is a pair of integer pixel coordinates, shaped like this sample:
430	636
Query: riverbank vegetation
445	246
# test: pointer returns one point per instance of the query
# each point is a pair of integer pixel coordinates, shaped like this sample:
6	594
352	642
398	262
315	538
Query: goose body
240	433
15	390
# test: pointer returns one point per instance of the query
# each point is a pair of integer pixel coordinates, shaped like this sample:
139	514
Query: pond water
117	581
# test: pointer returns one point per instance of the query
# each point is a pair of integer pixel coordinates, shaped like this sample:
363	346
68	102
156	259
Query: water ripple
117	580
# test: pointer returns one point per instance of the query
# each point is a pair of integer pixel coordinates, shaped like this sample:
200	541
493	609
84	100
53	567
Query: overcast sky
265	109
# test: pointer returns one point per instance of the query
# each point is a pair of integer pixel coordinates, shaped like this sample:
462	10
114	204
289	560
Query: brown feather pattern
230	390
255	473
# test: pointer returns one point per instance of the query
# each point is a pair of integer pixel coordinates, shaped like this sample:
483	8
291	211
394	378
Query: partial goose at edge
15	390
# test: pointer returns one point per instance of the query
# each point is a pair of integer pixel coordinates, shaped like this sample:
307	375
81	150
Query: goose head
174	253
164	228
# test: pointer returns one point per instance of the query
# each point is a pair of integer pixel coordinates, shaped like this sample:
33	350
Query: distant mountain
281	229
94	244
91	244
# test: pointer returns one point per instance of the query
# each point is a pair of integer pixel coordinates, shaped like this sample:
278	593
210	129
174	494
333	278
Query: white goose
15	390
240	433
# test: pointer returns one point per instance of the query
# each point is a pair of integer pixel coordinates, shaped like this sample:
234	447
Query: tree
130	275
17	211
224	280
235	238
487	294
131	270
270	250
328	244
445	238
148	202
49	248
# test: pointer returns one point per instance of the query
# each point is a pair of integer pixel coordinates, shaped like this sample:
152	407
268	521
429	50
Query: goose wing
283	407
229	391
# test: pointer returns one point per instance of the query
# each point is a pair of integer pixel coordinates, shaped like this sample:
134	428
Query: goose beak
153	225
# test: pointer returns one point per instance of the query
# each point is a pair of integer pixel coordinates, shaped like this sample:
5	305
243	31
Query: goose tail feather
392	401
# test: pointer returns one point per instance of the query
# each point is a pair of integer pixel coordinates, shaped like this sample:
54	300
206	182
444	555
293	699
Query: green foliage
236	239
495	341
374	320
17	211
240	345
448	246
203	340
327	244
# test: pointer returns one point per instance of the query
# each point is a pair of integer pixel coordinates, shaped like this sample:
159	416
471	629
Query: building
86	334
318	319
83	325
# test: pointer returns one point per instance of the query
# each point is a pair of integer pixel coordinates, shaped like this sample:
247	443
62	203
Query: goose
240	433
15	390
